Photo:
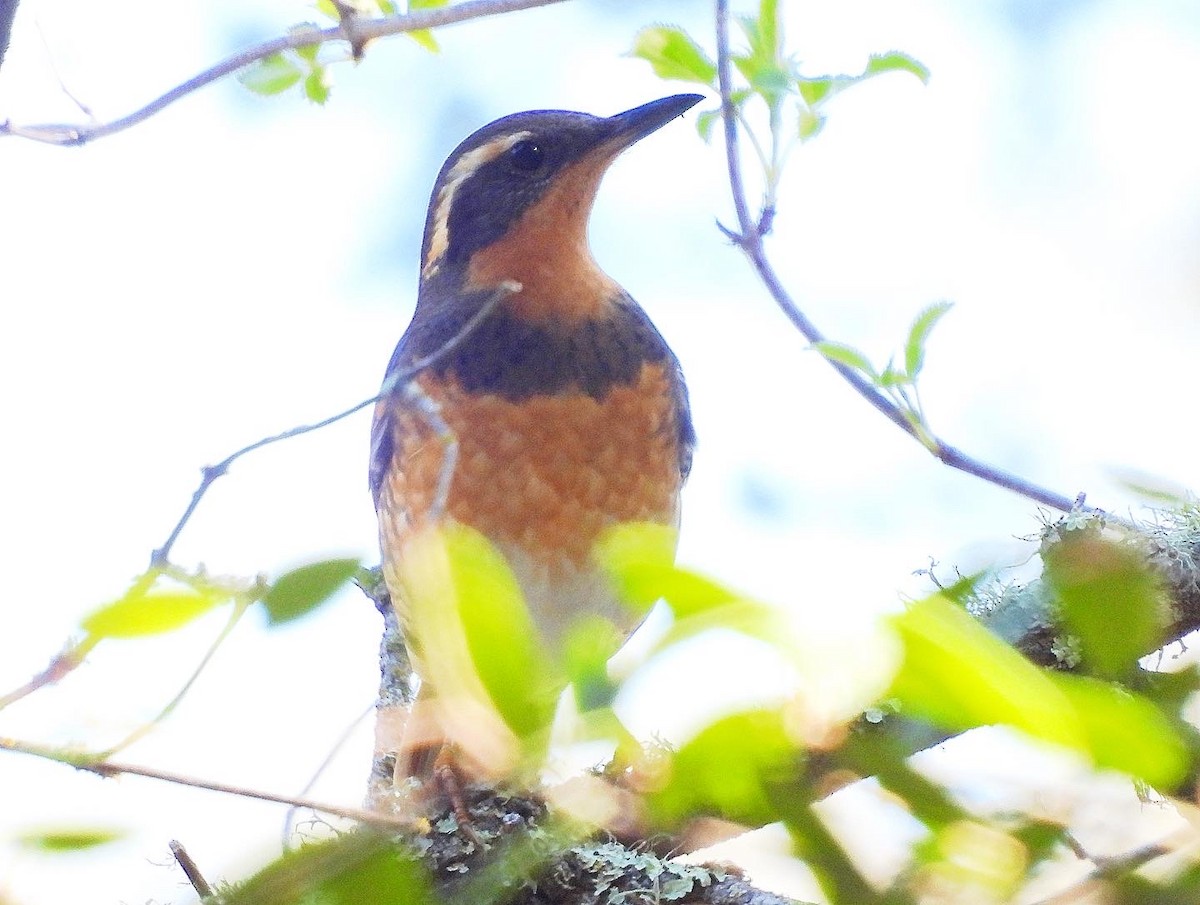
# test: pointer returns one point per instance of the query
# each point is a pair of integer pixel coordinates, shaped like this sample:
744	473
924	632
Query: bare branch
332	753
62	664
1113	866
239	610
427	407
749	238
357	32
189	868
108	769
160	557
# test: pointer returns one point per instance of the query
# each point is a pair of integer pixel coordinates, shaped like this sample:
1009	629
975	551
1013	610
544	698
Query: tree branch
108	769
749	238
1028	618
560	872
1106	868
357	32
190	870
529	859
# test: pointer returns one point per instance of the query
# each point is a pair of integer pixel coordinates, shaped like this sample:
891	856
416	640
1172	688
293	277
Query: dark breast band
516	359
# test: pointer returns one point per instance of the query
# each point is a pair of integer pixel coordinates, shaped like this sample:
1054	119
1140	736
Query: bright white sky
237	266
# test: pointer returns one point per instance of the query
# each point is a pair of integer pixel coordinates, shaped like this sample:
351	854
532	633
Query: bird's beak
628	127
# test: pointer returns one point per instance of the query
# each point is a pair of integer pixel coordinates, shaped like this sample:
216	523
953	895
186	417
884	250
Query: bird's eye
526	156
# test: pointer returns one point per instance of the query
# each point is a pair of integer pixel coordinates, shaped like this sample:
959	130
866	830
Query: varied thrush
568	407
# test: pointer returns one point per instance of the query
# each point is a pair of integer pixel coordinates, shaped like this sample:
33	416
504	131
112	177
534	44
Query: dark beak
639	122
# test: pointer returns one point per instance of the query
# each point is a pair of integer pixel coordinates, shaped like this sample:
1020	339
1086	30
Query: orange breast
541	477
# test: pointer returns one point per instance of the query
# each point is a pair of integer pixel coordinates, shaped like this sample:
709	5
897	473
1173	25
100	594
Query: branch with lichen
517	837
1028	615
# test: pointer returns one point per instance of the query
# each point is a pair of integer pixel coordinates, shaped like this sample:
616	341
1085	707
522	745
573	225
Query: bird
568	408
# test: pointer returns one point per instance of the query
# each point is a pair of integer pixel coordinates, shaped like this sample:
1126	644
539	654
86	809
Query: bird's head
512	203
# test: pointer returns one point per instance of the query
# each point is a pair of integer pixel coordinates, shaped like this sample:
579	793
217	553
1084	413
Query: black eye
526	156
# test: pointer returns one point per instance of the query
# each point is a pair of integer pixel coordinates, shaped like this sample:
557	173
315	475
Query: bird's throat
547	252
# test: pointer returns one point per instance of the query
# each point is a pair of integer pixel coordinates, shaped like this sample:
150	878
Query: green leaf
914	348
768	28
1109	600
69	839
958	675
475	632
1169	690
971	861
425	38
300	591
895	61
729	769
672	54
317	84
145	610
1041	837
270	75
837	876
1126	732
706	121
766	77
846	355
636	556
356	868
809	124
639	558
762	35
893	378
814	90
881	756
964	589
588	647
308	52
1156	489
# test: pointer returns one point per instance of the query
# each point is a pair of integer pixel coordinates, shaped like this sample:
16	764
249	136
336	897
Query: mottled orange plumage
541	478
567	407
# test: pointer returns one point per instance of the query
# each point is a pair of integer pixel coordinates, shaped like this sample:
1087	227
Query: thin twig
188	866
63	664
62	83
1113	866
107	769
357	32
749	238
239	609
431	412
342	739
209	474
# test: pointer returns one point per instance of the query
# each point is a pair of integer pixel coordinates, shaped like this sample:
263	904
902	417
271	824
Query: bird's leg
448	781
428	766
